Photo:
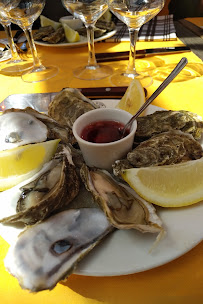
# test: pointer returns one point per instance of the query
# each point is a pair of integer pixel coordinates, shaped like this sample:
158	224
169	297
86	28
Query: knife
116	56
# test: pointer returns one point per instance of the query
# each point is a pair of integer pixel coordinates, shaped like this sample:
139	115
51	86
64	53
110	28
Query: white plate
83	41
128	251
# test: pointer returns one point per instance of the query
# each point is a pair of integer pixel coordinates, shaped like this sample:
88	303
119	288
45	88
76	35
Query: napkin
160	28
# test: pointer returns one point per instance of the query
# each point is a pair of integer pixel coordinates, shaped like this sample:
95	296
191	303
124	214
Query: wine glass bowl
89	12
134	13
24	13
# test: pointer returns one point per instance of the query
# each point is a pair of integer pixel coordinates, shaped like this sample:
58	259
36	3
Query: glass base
93	72
40	74
5	55
124	79
15	67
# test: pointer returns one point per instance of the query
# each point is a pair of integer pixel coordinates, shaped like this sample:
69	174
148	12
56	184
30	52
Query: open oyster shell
52	188
54	129
122	206
166	148
163	121
48	252
68	105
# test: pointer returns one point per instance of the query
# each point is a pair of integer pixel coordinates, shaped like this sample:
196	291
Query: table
179	281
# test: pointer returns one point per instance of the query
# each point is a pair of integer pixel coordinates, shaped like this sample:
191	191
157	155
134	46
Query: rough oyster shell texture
166	148
68	105
163	121
49	192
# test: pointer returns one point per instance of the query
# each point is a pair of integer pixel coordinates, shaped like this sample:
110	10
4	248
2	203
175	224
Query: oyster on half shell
68	105
48	252
24	126
163	121
122	206
52	188
166	148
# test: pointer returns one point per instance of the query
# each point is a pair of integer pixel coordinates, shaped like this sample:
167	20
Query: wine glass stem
133	33
91	51
14	53
33	50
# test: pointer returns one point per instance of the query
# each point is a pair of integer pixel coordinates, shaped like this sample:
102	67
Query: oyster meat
54	187
163	121
48	252
122	206
166	148
68	105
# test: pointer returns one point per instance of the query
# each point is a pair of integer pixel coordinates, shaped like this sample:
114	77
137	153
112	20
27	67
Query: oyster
166	148
48	252
17	129
55	37
122	206
163	121
52	129
51	189
43	32
68	105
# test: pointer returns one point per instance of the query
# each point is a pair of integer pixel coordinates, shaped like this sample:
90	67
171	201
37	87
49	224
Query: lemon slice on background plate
168	186
71	35
44	21
19	164
133	98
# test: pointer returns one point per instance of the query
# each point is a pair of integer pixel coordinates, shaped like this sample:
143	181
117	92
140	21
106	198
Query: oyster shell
122	206
68	105
55	37
48	252
51	189
54	129
43	32
163	121
166	148
17	129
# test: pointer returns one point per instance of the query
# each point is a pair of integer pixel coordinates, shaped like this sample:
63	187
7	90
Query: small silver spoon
164	84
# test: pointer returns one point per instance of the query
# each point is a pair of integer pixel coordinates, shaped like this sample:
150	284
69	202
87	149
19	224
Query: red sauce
105	131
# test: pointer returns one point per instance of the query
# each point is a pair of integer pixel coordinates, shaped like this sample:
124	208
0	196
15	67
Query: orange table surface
179	281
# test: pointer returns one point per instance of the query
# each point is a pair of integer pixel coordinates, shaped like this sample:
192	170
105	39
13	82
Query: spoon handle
182	63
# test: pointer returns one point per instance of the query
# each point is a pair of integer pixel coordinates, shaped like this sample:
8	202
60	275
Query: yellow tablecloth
179	281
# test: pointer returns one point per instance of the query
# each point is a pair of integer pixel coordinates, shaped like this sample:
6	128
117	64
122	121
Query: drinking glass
134	13
89	11
16	65
24	13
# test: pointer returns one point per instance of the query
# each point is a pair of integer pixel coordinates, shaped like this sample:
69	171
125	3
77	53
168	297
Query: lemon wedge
44	21
168	186
19	164
133	98
71	35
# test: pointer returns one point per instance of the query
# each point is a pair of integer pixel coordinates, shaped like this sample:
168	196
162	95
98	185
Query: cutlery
182	63
116	56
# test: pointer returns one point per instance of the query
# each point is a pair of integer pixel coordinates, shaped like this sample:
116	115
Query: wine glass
16	65
89	11
24	13
134	13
